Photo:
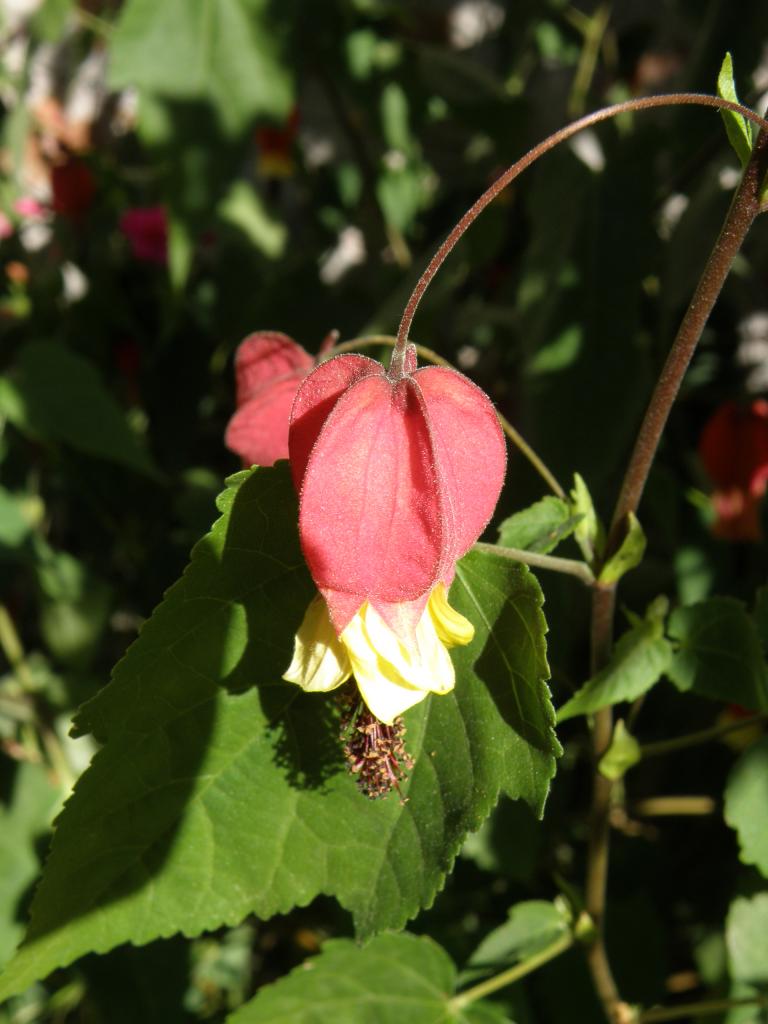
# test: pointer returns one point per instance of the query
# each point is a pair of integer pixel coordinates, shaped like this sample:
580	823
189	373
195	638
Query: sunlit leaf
220	790
540	527
395	979
746	804
639	659
220	51
629	555
531	926
739	130
745	934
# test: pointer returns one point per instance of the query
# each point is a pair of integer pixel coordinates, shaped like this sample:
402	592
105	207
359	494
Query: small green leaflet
621	755
719	653
638	661
530	927
739	130
220	790
540	527
394	979
745	934
590	532
746	805
629	555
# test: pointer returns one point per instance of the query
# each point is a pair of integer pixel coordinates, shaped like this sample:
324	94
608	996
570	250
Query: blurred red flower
146	228
73	187
275	145
734	449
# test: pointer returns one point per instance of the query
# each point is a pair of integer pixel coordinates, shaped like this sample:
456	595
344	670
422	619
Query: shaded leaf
746	805
719	654
760	615
540	527
221	51
639	659
221	790
57	395
745	936
395	979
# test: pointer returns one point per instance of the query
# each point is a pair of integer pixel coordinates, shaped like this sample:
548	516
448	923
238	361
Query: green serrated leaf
639	659
394	979
719	653
222	52
746	805
531	926
57	395
745	935
221	791
623	753
589	532
629	555
739	130
540	527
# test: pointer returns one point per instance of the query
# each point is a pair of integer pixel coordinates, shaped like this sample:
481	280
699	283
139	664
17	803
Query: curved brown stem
646	103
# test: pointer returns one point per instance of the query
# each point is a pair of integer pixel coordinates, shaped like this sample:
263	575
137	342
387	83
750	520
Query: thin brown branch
743	210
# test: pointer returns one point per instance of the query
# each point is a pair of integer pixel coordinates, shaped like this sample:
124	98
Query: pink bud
398	474
269	367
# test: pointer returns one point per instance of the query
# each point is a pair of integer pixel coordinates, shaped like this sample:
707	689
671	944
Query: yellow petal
390	675
320	661
451	626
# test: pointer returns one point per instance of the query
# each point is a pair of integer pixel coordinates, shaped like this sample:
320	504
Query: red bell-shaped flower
398	474
734	449
269	367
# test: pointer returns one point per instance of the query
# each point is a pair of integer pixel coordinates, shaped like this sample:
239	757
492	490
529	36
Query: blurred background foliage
177	174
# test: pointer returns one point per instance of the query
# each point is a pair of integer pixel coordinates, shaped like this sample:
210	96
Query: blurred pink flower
29	207
146	228
269	366
6	226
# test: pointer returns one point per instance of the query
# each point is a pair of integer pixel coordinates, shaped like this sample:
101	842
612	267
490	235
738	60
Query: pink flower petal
370	518
258	431
316	397
470	452
264	357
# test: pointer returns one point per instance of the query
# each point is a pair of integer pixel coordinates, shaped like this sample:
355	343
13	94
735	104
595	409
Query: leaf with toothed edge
220	790
394	979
